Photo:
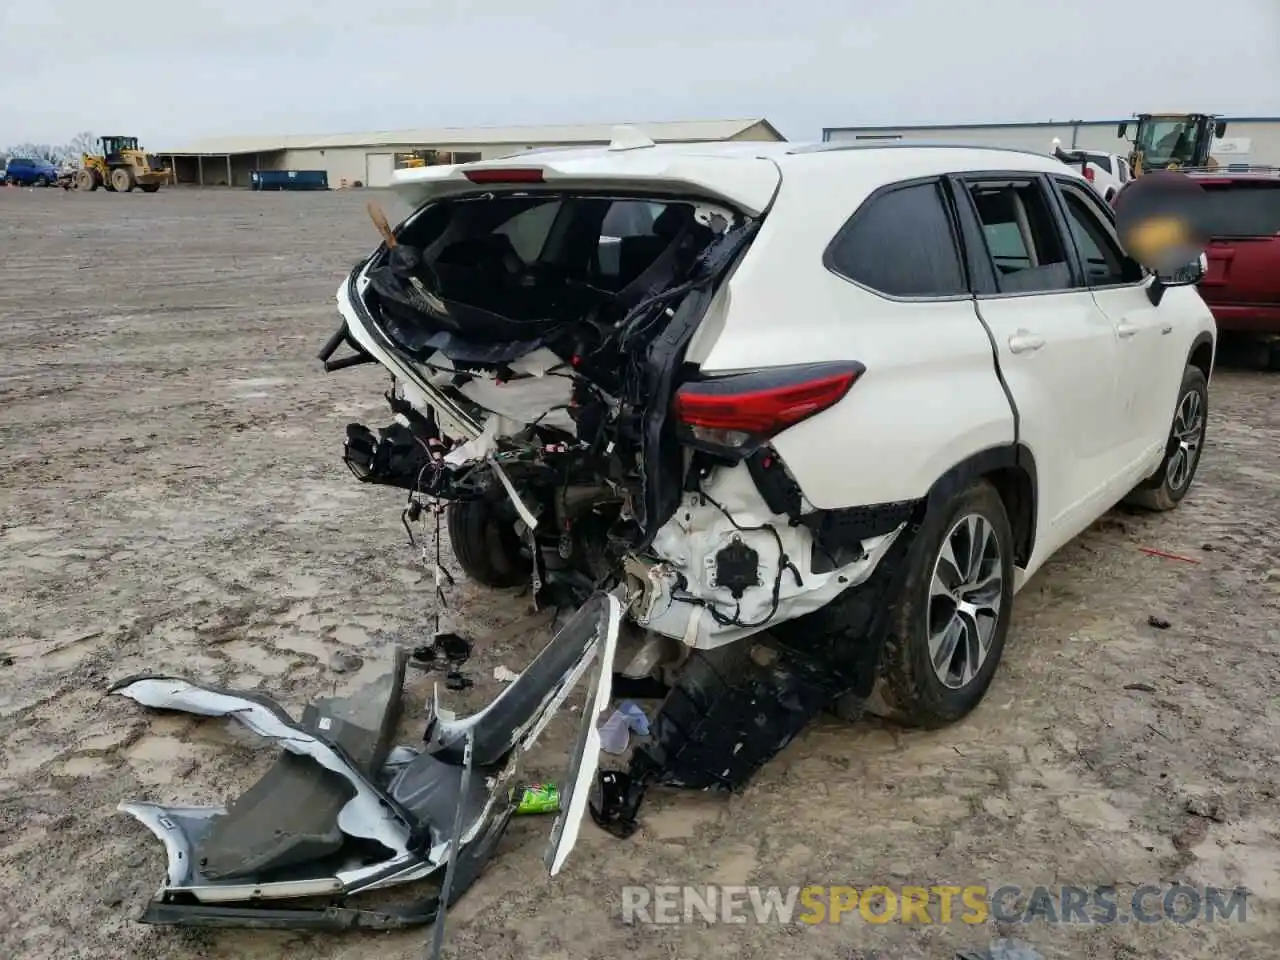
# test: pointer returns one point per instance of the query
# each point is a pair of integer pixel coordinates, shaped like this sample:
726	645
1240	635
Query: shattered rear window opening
483	280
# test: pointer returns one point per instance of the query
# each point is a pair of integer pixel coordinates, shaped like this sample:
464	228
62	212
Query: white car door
1149	369
1056	350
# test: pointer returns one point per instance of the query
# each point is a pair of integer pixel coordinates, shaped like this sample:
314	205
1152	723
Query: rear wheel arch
1201	354
1011	469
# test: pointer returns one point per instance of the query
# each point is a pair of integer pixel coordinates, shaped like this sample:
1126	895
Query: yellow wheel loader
1172	141
120	167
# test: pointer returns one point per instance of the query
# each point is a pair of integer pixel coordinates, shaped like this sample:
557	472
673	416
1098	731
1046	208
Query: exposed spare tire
486	544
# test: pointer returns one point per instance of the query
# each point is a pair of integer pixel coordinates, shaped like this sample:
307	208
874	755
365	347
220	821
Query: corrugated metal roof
679	130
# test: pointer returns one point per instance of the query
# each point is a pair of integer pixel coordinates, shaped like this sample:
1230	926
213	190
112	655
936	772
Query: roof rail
1234	168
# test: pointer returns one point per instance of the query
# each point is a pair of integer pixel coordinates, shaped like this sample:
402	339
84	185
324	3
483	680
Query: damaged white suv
844	400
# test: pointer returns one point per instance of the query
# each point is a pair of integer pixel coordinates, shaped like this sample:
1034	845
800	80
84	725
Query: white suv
841	399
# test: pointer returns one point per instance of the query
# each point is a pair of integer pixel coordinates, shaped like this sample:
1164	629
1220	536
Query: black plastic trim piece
779	490
847	527
977	257
1202	339
341	336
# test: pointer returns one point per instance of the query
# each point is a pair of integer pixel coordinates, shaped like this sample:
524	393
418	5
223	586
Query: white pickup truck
1108	172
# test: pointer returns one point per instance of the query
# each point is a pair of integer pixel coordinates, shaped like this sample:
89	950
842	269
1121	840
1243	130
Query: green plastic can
539	798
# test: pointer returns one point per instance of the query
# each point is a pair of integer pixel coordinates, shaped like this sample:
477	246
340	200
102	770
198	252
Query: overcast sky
171	73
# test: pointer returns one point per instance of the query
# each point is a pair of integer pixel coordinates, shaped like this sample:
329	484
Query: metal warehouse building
1248	140
370	158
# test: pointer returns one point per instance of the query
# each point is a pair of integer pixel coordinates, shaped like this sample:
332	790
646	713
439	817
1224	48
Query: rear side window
1243	209
1022	237
901	243
1103	160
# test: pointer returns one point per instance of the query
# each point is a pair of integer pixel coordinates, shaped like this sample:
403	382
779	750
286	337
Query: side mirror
1220	129
1160	219
1186	276
1122	129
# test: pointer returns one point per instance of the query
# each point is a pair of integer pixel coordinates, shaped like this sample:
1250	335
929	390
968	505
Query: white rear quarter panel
930	396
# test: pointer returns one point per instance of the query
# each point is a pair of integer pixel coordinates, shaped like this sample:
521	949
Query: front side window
1105	263
1022	237
901	243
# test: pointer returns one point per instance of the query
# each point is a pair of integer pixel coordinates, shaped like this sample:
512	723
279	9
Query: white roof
745	173
518	137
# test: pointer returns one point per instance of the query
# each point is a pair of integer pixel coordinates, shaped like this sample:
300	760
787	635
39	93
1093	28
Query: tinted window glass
630	218
1103	160
1244	209
1022	237
528	230
901	244
1105	263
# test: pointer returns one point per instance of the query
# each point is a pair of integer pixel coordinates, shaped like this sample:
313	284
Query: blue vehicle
30	173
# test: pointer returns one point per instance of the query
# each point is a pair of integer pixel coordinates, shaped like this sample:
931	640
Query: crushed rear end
542	317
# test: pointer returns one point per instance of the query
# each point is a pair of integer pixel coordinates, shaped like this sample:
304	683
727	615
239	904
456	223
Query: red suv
1242	285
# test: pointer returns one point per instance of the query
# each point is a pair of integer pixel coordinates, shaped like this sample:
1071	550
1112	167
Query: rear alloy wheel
122	180
1170	483
948	626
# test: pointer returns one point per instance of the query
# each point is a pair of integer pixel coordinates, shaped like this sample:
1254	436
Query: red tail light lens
1088	173
515	175
736	413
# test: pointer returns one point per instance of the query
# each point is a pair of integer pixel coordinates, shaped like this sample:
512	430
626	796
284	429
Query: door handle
1024	341
1127	329
1166	330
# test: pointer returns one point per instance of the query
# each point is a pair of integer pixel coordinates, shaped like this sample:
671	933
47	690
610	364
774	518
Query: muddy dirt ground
172	498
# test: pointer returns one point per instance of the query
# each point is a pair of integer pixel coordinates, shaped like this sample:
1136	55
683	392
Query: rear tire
150	187
86	180
486	546
1170	483
948	624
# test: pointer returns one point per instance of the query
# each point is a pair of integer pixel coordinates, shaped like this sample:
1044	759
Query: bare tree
58	154
82	143
35	151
